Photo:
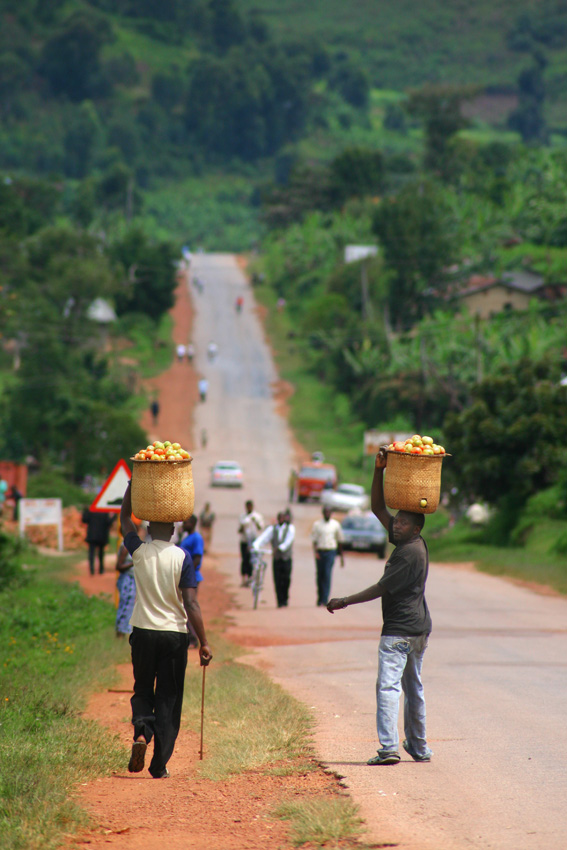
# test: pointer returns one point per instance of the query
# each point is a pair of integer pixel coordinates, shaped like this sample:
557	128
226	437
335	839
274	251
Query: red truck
313	478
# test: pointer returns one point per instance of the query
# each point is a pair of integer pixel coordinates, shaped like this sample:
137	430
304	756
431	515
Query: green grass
48	630
535	561
251	723
321	822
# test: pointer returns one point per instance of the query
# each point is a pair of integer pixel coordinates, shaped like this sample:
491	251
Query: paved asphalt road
495	671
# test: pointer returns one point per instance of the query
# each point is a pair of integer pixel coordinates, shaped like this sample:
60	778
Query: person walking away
327	539
280	536
165	600
190	352
212	351
250	525
204	438
192	543
206	522
291	484
405	631
98	531
181	352
126	587
15	496
203	389
154	409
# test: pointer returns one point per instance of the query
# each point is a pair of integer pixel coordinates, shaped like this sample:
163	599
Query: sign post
109	500
42	512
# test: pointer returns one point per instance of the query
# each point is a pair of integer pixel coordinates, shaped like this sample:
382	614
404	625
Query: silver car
365	533
345	498
227	473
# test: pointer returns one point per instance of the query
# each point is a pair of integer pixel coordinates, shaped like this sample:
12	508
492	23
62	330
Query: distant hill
403	43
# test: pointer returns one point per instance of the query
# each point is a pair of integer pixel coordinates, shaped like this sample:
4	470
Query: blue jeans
324	561
399	668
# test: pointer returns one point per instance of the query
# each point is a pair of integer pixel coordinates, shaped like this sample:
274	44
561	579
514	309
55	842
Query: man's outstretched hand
335	605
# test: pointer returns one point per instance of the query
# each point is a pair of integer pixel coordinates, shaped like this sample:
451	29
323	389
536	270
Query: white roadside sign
42	512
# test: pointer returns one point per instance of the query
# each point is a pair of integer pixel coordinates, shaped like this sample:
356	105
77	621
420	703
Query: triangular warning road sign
109	500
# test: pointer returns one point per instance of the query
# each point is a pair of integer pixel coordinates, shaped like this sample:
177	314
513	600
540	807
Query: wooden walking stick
202	711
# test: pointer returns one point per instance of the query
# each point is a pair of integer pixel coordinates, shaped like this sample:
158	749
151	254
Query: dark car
365	533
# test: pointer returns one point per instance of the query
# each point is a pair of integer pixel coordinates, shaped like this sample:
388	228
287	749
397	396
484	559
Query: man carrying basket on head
405	631
165	598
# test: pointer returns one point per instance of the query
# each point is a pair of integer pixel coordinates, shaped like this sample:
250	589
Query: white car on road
227	473
345	498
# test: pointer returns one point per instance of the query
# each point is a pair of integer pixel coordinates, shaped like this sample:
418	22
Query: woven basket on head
413	482
163	491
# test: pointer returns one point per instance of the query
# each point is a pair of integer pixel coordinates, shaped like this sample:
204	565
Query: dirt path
132	811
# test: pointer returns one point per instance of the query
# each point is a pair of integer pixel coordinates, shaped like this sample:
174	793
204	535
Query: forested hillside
436	134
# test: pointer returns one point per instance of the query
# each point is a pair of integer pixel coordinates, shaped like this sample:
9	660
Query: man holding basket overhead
405	631
166	598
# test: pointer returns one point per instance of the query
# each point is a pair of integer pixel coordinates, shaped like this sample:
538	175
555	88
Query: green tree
70	59
507	443
148	273
439	107
356	172
415	231
528	118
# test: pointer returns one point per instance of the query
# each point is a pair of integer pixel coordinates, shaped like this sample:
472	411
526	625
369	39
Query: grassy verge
535	561
48	630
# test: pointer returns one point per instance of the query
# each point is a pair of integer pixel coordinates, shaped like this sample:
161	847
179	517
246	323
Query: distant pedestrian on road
212	351
291	484
250	525
181	352
405	630
98	531
190	352
327	539
206	522
280	537
203	389
239	304
204	438
165	600
154	409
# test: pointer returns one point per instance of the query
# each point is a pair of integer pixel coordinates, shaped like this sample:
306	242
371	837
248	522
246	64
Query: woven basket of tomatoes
412	480
162	483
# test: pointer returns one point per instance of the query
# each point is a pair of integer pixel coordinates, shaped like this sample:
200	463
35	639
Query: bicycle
259	567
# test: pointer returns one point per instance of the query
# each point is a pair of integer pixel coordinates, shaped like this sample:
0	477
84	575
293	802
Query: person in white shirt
327	539
250	525
181	352
166	597
280	536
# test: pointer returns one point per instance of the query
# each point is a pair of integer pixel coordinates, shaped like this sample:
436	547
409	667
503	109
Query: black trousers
282	579
94	549
245	562
159	660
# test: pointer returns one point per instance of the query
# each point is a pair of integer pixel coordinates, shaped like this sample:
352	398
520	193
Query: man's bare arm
126	513
372	592
193	611
377	502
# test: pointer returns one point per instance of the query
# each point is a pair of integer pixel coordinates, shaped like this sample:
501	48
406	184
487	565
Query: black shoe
137	757
163	775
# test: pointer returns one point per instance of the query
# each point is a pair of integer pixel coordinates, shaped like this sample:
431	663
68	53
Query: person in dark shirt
405	631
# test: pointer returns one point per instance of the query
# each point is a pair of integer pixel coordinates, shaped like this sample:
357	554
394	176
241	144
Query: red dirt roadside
134	811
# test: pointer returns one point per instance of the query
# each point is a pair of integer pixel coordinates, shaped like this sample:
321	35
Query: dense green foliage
64	400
